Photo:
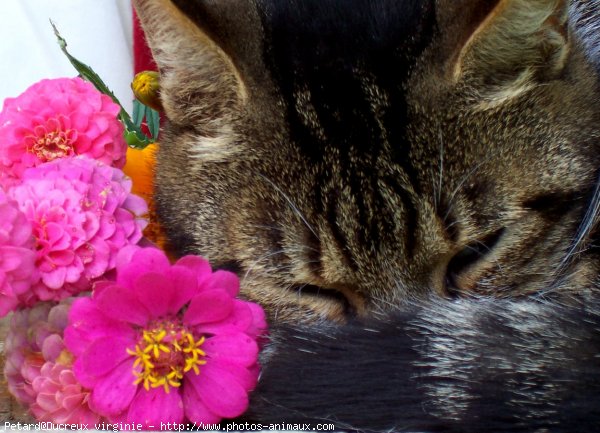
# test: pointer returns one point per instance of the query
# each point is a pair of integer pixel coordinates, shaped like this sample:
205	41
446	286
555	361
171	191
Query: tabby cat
409	187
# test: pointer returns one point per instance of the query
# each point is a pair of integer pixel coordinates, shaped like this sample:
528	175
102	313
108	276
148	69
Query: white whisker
438	196
257	261
292	205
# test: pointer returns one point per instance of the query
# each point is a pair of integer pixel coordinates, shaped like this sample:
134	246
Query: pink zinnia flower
17	257
38	368
59	118
60	399
166	343
23	349
82	214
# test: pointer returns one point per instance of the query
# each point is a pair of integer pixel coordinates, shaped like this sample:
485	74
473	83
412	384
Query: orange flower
140	168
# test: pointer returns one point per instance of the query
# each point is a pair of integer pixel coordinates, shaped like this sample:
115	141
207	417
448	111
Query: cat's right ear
507	46
199	80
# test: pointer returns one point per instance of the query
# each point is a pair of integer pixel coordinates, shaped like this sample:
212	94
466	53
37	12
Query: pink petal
187	287
7	304
237	348
114	392
223	280
80	121
220	391
55	279
198	265
84	377
72	401
83	415
195	410
60	416
247	377
13	257
54	231
141	261
135	204
101	285
153	407
122	304
68	378
98	263
87	323
52	347
69	390
240	320
124	256
58	317
47	402
208	307
154	291
259	323
104	354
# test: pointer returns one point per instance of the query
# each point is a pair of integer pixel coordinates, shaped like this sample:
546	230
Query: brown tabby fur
503	127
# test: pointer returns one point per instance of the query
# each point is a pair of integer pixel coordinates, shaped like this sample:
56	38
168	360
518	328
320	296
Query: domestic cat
410	189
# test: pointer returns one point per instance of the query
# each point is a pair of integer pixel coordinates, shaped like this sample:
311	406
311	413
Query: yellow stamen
51	144
165	353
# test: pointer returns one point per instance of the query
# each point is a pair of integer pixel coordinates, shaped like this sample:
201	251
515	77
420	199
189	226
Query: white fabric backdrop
98	32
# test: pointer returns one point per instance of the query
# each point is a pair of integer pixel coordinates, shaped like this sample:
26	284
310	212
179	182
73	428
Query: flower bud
146	88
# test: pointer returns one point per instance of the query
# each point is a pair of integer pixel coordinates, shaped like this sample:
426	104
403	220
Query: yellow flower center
51	142
166	352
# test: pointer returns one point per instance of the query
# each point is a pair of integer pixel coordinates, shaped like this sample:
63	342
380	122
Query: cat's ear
198	78
515	44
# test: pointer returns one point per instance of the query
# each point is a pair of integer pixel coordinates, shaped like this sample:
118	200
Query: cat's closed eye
348	306
462	269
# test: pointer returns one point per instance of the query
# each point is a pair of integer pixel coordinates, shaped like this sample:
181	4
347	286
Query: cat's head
349	155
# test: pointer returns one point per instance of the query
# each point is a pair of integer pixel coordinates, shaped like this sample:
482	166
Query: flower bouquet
104	327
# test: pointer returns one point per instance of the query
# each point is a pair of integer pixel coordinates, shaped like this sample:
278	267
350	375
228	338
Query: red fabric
142	56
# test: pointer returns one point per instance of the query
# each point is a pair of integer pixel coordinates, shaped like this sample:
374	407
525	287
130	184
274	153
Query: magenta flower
166	343
82	214
59	118
38	368
17	257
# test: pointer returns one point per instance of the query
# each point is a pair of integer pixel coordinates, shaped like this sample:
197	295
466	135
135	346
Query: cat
409	188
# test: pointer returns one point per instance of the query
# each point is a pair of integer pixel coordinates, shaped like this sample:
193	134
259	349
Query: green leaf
135	141
139	112
153	120
133	134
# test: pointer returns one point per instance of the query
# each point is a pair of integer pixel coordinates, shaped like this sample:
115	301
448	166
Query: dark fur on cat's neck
471	366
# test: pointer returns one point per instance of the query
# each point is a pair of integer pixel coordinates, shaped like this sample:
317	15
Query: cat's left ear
199	81
516	44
